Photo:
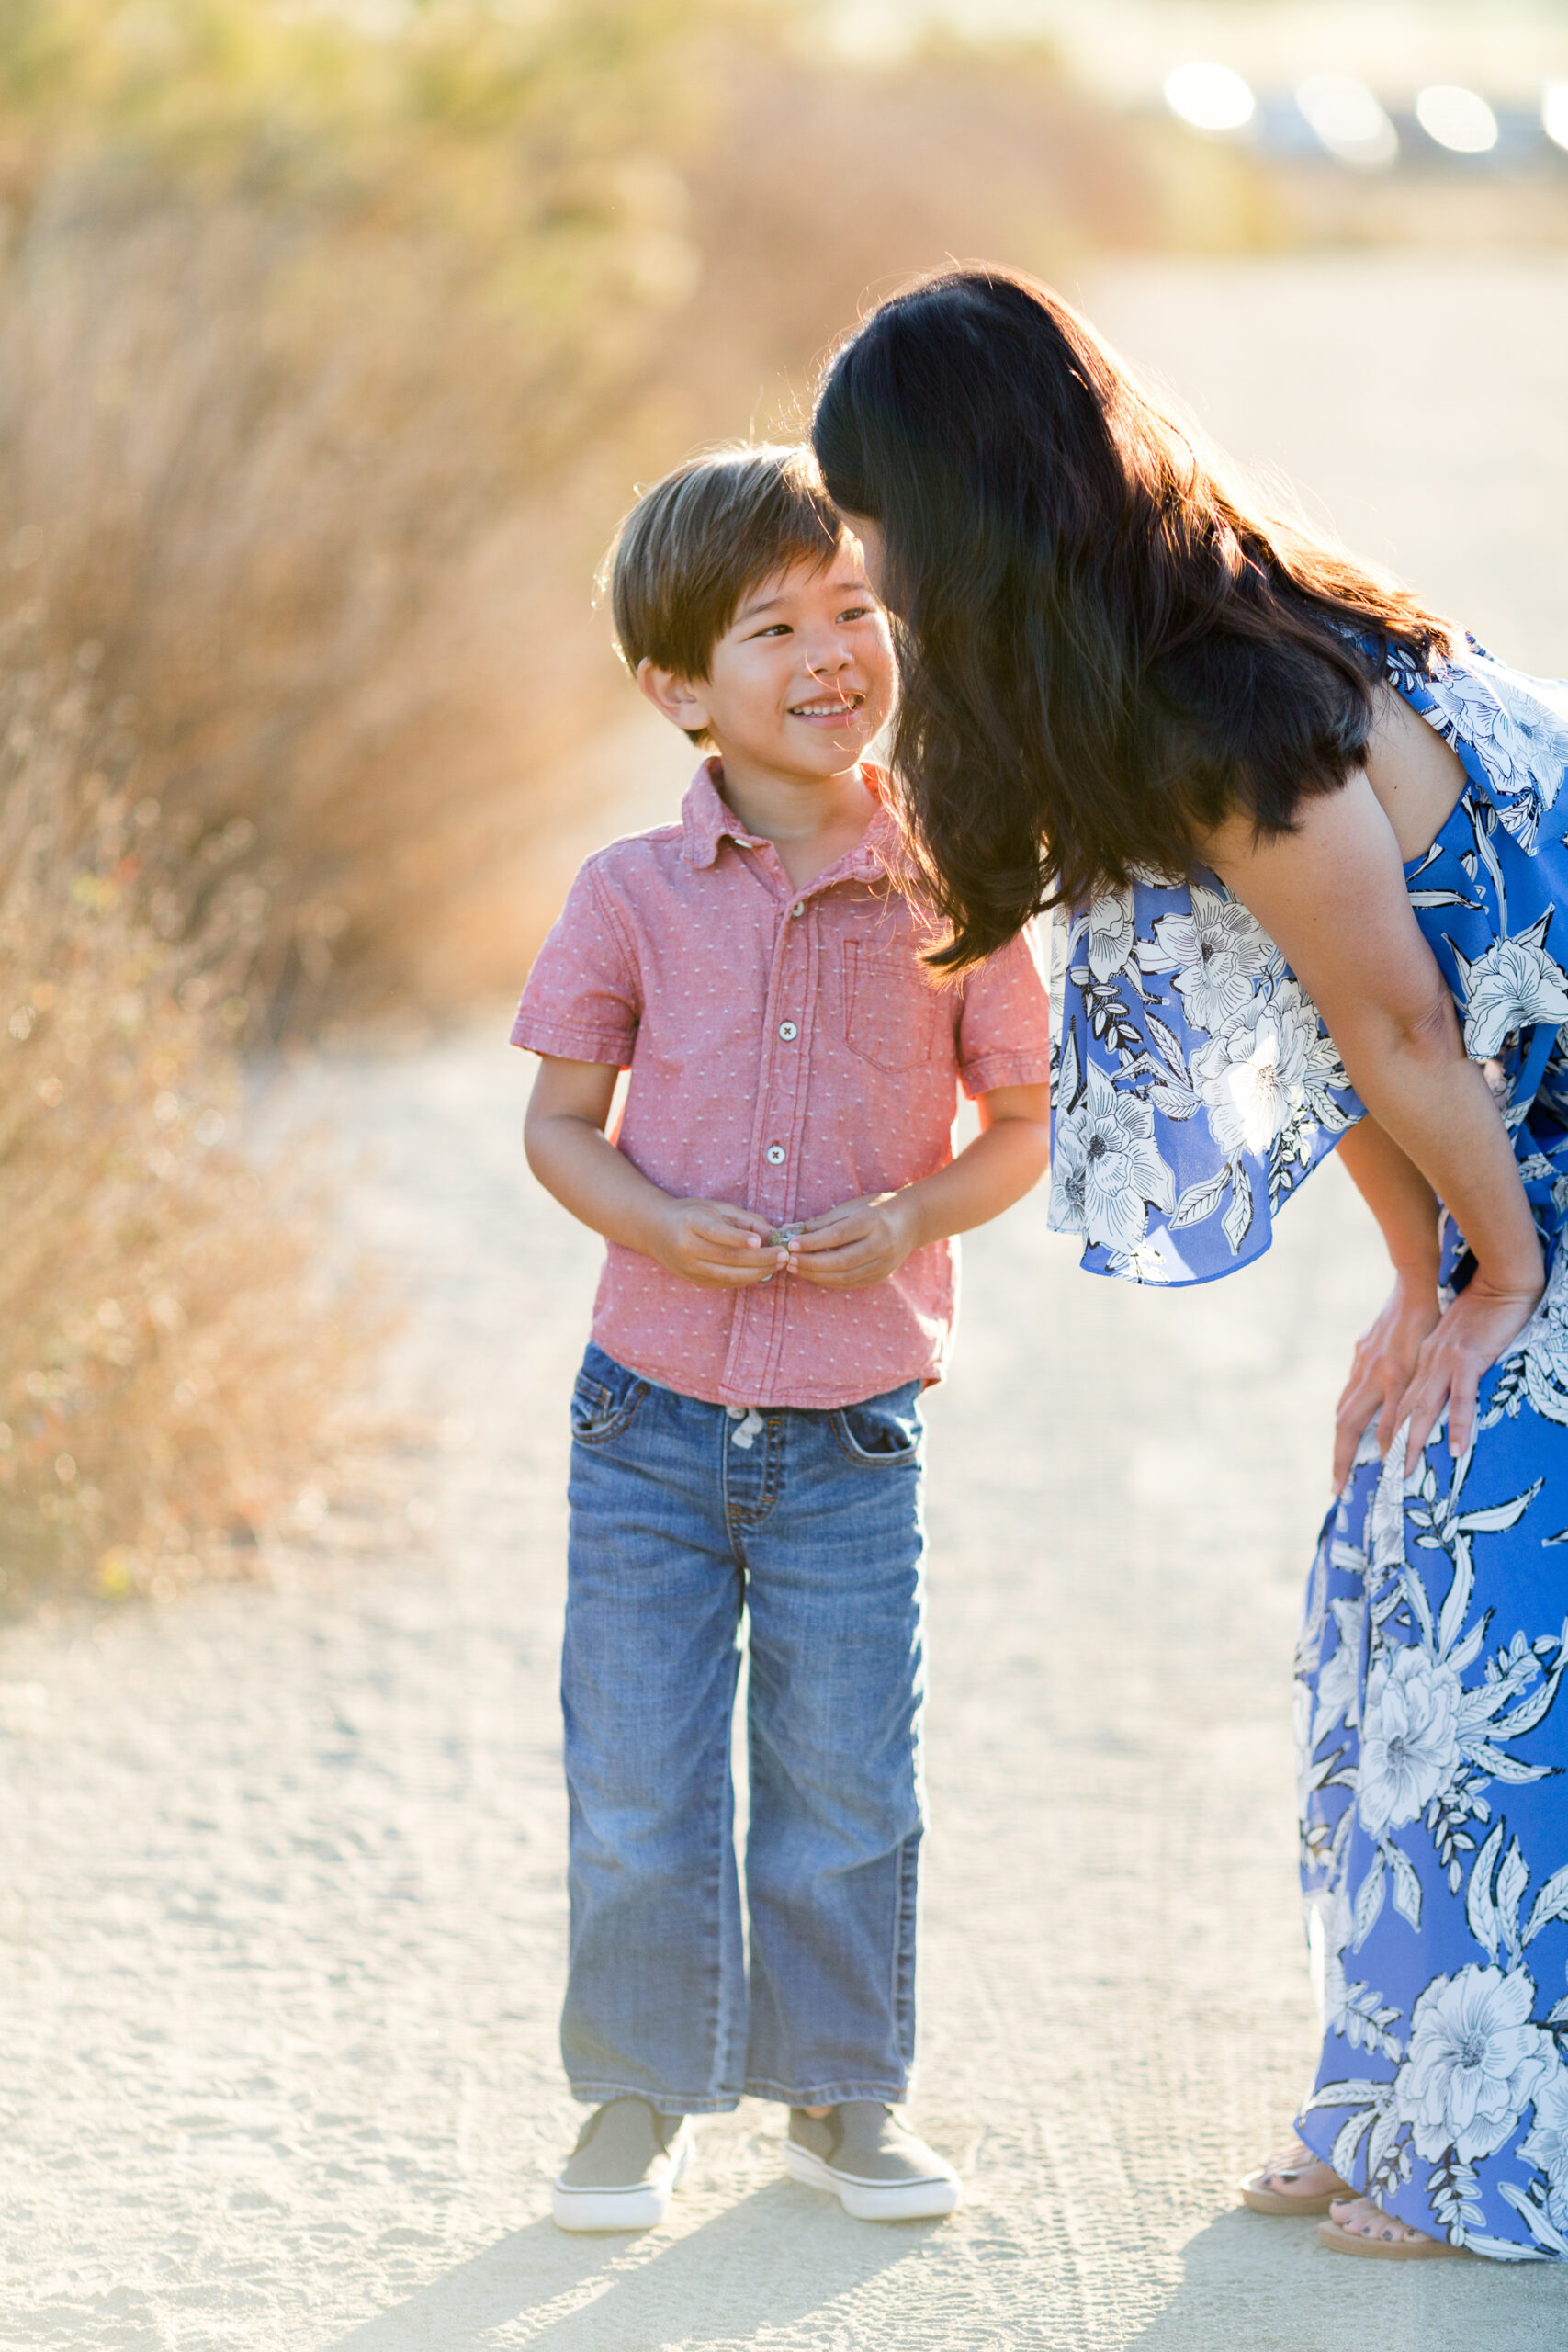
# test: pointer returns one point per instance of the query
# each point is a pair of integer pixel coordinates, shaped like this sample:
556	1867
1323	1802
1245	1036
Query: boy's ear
680	700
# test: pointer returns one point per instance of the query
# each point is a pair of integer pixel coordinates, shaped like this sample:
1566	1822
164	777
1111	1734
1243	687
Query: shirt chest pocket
892	1016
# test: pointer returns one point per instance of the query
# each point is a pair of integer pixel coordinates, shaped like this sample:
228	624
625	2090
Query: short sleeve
583	1000
1194	1086
1004	1029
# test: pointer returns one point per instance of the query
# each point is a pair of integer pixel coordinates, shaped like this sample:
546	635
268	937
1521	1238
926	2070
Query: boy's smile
800	682
837	706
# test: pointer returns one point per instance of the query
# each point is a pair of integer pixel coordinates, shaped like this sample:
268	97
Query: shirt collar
706	820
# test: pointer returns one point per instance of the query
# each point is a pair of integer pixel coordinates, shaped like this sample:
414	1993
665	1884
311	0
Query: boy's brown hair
695	544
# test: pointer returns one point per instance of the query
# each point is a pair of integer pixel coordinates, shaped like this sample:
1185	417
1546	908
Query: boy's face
800	681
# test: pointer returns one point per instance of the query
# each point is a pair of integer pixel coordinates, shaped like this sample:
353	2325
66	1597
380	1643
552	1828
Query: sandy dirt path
280	1868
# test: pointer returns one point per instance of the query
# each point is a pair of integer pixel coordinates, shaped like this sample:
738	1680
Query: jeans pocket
600	1412
883	1434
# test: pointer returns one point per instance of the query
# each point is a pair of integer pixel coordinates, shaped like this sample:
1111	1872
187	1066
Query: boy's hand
714	1244
853	1247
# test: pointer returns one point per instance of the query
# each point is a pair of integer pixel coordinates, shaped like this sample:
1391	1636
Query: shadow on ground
1253	2285
771	2260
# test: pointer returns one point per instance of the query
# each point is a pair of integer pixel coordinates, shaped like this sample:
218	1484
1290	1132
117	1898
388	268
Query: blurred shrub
168	1362
332	337
821	190
303	333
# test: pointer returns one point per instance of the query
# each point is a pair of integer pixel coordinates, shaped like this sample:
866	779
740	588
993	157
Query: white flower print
1536	1365
1546	1365
1301	1724
1338	1682
1545	2144
1356	2010
1253	1077
1064	934
1385	1520
1274	1082
1430	1740
1433	1658
1474	2063
1534	1370
1521	741
1111	928
1107	1167
1513	985
1216	953
1149	1260
1410	1739
1328	1935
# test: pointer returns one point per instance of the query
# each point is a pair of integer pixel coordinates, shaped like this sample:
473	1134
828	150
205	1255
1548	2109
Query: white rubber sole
876	2200
640	2208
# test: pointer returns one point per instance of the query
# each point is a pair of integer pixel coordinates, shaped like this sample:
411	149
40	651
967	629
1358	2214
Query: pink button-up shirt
788	1053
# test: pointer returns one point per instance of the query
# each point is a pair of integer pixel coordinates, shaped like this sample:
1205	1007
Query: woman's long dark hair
1104	651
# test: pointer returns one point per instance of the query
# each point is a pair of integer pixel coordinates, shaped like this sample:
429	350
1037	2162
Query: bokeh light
1210	97
1457	118
1348	121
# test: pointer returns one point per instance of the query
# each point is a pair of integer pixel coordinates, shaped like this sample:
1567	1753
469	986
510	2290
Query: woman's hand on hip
1468	1338
1383	1369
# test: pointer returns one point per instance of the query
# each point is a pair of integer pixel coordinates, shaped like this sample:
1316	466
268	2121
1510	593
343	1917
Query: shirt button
788	1031
798	907
775	1155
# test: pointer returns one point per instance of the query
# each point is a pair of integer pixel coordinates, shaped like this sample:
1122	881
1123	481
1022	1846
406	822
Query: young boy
746	1429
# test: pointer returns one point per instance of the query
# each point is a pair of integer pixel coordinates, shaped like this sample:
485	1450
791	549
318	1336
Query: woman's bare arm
1399	1197
1407	1210
1332	894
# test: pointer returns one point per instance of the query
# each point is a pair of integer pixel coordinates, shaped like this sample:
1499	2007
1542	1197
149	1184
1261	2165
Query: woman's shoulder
1509	728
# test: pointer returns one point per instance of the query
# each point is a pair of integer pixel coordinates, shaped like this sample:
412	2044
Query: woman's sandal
1262	2197
1396	2240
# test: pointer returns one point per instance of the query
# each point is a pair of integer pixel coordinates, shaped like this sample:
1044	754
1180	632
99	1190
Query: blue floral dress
1195	1087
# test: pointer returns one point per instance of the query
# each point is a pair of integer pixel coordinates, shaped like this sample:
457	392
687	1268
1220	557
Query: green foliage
186	75
522	136
299	321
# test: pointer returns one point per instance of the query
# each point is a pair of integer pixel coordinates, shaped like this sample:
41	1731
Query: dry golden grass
170	1357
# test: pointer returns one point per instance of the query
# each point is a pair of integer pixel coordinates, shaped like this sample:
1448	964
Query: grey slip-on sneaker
625	2168
872	2163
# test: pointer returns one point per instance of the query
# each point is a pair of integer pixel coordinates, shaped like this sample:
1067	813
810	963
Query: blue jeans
688	1521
